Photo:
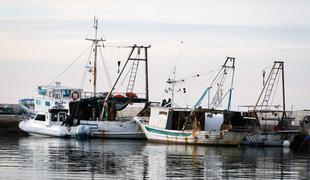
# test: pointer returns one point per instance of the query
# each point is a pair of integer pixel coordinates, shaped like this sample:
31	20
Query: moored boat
51	124
192	125
98	114
271	127
187	126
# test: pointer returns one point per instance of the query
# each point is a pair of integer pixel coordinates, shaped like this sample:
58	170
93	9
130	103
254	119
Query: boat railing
86	94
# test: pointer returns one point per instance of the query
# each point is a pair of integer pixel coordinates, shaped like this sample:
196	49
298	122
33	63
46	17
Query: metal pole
172	92
95	60
232	84
146	75
283	88
119	76
110	92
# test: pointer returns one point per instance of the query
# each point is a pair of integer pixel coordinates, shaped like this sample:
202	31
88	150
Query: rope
177	59
85	70
106	70
69	66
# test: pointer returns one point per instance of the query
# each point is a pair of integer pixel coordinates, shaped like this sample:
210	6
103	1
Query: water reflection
49	158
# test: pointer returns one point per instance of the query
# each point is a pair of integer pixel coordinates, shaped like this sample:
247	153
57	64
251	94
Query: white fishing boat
192	125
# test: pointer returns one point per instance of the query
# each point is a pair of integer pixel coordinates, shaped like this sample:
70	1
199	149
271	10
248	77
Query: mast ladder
133	75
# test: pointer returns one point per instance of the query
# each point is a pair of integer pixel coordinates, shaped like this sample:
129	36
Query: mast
95	45
283	89
95	56
172	82
146	74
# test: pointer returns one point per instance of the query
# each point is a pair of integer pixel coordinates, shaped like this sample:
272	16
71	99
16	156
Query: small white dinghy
52	125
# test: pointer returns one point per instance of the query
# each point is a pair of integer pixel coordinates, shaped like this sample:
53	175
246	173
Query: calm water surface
51	158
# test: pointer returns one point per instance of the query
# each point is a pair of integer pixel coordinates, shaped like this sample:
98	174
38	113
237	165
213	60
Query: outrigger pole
221	72
130	58
266	93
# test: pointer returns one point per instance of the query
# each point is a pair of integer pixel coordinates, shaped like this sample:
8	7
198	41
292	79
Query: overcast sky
39	38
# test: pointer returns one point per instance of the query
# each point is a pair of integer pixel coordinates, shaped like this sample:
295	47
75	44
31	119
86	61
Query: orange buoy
131	95
118	96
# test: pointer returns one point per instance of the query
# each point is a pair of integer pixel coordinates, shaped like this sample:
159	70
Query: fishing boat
271	125
100	115
113	113
191	125
177	125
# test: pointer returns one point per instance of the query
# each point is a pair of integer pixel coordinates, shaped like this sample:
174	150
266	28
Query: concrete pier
9	120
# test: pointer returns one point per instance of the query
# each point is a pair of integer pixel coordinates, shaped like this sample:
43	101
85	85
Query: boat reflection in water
52	158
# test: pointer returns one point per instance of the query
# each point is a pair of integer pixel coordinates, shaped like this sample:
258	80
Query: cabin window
54	117
38	102
178	119
62	116
163	113
41	91
66	93
209	116
47	103
40	117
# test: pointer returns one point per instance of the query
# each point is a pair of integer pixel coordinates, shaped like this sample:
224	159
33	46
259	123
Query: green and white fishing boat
191	125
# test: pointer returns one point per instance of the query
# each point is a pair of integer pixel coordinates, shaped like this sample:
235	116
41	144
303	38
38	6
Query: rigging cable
126	74
69	65
106	69
85	70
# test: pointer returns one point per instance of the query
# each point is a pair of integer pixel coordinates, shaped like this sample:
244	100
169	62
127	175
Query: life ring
75	95
119	96
131	95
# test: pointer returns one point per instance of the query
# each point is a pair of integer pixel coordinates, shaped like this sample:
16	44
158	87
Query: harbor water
53	158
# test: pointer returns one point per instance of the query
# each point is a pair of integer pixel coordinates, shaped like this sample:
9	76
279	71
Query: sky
40	38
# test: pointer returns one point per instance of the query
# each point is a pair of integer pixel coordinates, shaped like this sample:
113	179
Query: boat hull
270	138
118	129
40	129
220	138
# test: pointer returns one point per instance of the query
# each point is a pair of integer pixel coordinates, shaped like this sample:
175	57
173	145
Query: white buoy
286	143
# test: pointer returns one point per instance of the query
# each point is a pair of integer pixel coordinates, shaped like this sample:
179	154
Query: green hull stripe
168	133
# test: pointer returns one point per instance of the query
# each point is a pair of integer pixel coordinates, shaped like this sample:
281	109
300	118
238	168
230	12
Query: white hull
38	128
125	129
122	129
270	139
225	137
